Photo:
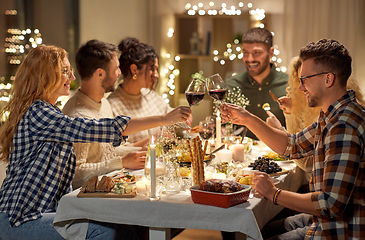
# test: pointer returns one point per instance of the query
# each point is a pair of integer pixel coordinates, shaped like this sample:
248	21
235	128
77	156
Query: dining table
172	211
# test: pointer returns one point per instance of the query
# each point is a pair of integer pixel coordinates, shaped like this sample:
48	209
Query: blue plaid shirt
42	165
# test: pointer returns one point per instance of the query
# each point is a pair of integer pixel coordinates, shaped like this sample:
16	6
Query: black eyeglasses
309	76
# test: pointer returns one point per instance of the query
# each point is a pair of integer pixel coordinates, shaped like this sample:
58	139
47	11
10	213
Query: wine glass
194	94
206	129
216	87
195	91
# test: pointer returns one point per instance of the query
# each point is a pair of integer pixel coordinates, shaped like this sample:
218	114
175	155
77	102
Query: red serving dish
223	200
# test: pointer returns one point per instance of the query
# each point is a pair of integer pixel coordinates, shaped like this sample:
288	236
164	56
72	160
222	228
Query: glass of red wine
206	129
216	87
195	91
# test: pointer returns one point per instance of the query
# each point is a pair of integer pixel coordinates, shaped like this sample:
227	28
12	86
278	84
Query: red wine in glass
206	134
194	98
218	94
216	87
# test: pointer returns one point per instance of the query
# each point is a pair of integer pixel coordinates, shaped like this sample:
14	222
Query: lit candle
153	168
238	151
219	176
141	186
218	140
225	155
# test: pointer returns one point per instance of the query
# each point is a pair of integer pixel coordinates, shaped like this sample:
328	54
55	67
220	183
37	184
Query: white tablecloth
171	211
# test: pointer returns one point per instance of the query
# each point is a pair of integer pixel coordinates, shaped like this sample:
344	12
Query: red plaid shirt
338	181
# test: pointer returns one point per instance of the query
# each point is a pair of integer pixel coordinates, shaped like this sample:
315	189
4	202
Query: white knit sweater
94	158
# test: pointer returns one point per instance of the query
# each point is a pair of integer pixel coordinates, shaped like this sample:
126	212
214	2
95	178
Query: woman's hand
272	121
263	184
231	113
285	104
179	114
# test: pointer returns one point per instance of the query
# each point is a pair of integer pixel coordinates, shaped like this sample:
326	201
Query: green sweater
258	94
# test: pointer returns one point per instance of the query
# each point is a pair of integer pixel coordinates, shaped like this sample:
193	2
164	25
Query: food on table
275	98
184	171
197	153
123	188
265	164
275	156
220	185
222	167
125	178
91	183
116	184
195	129
106	184
244	179
266	107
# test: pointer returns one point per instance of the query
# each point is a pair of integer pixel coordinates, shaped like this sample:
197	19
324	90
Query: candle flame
152	140
218	113
238	141
226	146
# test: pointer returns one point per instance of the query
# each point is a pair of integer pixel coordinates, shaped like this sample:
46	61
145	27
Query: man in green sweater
261	76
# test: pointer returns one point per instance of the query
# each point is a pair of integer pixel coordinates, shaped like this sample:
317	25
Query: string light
233	50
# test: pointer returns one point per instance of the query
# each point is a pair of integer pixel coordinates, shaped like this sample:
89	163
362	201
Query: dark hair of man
331	56
93	55
258	35
135	52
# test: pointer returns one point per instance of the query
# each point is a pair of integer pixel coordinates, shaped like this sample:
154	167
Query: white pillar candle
218	140
153	168
238	151
141	186
225	155
219	176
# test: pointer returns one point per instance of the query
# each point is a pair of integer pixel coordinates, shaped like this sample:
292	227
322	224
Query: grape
265	164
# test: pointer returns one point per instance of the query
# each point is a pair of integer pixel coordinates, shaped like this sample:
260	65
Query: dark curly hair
329	55
134	52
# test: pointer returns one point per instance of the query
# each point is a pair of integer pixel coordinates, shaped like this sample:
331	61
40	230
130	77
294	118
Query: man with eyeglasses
335	207
261	75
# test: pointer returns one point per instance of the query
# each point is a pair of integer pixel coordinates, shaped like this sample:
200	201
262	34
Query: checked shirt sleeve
49	124
336	179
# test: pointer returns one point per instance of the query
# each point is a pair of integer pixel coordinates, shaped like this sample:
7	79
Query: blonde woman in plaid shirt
336	141
37	143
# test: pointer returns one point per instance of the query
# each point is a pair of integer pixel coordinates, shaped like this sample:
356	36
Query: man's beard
260	69
108	84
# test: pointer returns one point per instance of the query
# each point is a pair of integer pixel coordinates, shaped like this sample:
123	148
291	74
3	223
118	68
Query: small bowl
223	200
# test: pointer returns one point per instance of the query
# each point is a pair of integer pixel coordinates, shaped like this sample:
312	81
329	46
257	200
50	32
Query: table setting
189	181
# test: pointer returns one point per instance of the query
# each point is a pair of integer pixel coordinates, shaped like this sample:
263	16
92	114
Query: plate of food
222	193
107	187
186	161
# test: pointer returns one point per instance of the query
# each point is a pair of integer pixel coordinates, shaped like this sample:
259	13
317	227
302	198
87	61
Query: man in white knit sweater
98	67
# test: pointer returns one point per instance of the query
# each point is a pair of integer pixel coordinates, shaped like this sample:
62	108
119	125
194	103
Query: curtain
311	20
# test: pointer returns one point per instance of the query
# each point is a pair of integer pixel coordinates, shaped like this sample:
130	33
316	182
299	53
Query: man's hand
134	160
285	104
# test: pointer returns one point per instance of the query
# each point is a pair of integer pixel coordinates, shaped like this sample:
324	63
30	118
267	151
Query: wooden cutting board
82	194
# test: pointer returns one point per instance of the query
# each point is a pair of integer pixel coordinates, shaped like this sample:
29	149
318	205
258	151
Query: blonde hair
36	78
301	114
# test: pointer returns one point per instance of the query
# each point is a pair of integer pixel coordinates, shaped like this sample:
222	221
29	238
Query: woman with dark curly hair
135	96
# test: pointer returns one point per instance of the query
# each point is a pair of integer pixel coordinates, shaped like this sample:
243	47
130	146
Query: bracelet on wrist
275	197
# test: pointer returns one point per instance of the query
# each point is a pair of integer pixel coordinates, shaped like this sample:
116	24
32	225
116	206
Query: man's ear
330	79
100	73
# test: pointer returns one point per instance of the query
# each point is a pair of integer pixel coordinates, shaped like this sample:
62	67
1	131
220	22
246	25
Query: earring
134	77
